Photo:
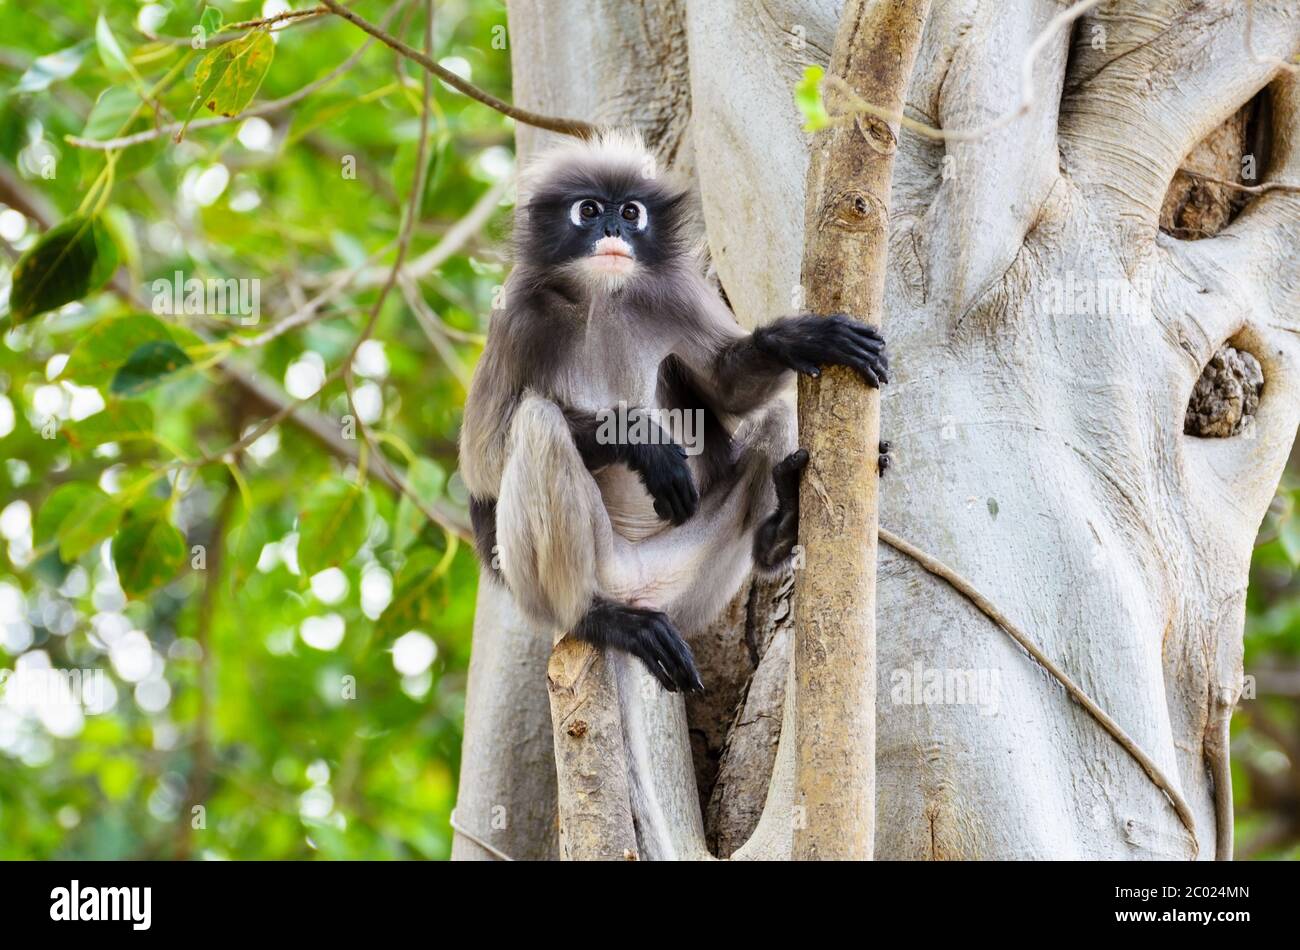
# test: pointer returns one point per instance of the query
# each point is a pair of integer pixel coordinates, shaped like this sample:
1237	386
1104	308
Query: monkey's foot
882	461
646	634
786	475
776	537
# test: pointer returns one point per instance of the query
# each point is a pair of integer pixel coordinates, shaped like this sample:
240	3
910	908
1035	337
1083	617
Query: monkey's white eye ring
585	210
635	211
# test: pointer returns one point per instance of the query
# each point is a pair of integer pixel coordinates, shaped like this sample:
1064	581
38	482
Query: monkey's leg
557	549
682	577
692	571
551	525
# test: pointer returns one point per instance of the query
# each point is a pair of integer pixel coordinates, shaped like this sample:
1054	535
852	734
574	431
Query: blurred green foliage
1266	726
276	642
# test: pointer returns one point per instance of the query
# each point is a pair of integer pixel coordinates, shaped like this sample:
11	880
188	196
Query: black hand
661	463
667	477
883	460
807	343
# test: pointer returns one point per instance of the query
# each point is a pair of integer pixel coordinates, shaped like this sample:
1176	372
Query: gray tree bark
1039	448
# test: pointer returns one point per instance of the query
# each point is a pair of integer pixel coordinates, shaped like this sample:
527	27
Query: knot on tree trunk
1226	396
853	210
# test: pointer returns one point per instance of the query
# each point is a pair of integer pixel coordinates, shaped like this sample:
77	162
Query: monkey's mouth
611	256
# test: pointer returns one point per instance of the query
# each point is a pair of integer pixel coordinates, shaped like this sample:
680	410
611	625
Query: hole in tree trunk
1237	151
1226	397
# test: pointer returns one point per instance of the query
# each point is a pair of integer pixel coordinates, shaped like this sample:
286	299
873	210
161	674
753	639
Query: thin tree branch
218	39
1263	189
326	433
272	20
266	108
451	242
434	332
987	607
574	127
412	215
310	309
846	228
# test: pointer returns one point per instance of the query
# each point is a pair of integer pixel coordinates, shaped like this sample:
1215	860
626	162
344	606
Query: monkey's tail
547	518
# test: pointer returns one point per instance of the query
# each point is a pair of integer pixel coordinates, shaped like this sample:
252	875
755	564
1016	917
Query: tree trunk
846	232
1039	444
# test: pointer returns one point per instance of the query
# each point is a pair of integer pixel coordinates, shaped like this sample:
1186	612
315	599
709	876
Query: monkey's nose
612	229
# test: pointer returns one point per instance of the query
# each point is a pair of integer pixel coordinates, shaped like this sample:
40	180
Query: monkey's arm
660	462
740	372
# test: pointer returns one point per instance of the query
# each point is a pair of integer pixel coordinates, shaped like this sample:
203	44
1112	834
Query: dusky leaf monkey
619	541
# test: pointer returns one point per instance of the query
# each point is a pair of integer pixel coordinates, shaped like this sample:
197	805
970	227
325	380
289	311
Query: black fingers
883	460
807	343
646	634
667	477
856	345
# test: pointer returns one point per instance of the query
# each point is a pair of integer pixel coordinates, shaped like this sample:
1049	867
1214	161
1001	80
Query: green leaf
808	97
53	67
149	551
147	366
113	115
122	420
229	76
211	21
110	51
109	115
1290	538
413	590
56	509
70	260
244	542
426	479
93	518
106	346
332	525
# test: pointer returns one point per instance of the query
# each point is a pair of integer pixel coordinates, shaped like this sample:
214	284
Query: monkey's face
608	229
604	223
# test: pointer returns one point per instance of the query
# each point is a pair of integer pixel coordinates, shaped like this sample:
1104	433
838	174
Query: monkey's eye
635	211
584	210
